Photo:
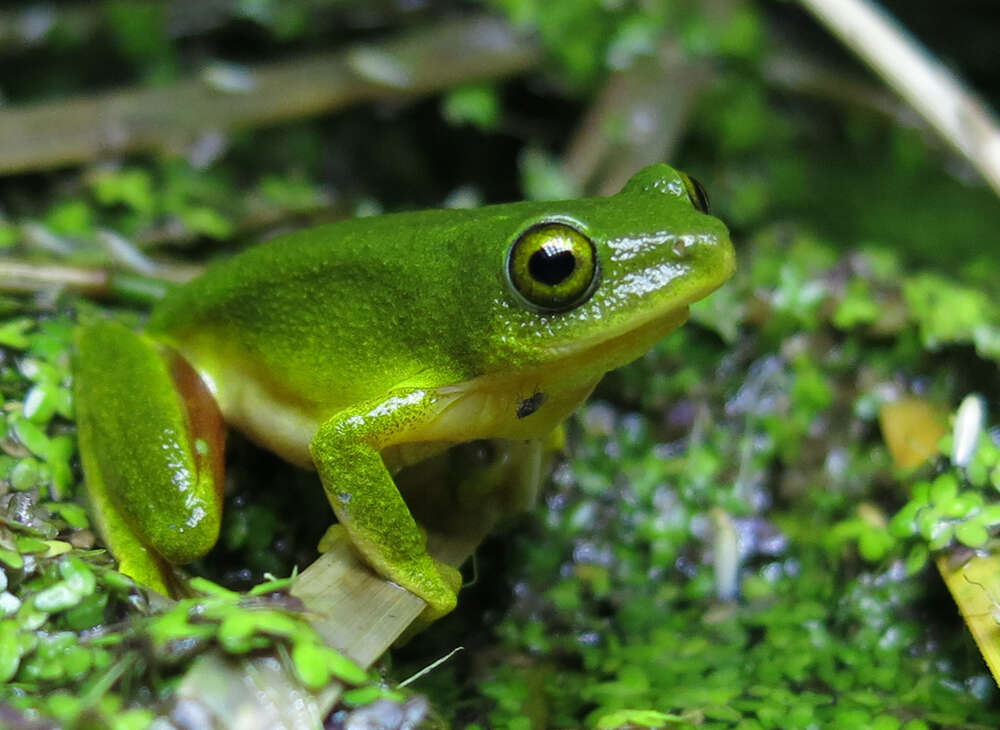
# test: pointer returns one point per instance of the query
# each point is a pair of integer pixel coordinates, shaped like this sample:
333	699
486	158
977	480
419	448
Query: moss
730	541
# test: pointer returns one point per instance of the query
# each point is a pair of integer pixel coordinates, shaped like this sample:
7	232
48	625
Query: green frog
365	346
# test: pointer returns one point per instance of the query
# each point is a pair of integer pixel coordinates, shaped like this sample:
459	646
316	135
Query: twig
938	95
431	667
800	74
640	115
357	612
32	25
24	277
637	119
171	118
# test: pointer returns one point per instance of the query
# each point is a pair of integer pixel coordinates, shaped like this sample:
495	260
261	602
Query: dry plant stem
173	117
640	115
937	94
637	119
357	612
23	277
797	73
30	26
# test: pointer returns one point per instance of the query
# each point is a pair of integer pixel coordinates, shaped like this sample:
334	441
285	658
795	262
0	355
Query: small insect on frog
364	346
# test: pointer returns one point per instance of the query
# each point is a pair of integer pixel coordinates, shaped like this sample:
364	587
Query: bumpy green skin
347	344
143	472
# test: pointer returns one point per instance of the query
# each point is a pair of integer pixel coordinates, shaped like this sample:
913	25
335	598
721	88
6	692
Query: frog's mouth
632	341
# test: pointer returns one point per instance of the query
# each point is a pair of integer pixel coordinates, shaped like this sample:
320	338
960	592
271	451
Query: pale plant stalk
939	96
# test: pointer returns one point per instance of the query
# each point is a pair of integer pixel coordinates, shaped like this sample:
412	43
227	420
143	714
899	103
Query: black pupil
702	203
551	266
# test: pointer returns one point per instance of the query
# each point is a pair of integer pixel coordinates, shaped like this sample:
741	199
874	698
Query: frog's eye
696	194
553	267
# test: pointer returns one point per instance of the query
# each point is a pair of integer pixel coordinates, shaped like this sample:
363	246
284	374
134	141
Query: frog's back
333	315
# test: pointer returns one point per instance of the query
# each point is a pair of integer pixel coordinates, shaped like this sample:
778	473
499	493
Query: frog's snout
702	252
709	254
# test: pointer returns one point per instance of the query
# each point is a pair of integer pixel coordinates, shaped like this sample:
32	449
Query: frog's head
596	282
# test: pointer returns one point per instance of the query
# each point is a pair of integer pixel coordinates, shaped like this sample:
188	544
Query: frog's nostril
683	246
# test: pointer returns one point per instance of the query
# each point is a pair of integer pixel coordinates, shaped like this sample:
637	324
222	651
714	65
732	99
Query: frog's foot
334	534
437	583
450	576
452	579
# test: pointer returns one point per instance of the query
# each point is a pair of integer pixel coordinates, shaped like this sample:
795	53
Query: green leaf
11	651
33	438
475	104
57	598
944	488
311	664
637	718
78	575
131	187
361	696
27	474
40	403
13	333
31	545
235	632
11	559
207	587
916	559
275	623
343	668
972	533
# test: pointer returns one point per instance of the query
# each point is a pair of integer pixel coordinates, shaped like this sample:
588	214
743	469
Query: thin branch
356	611
18	276
797	73
957	114
171	118
32	26
24	277
637	119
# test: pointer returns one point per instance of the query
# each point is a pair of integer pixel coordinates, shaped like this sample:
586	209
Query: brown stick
171	118
647	105
963	119
357	612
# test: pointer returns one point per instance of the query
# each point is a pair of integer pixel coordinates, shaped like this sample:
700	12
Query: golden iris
553	267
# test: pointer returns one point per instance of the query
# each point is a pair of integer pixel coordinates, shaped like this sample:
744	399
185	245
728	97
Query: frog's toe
441	602
335	534
452	577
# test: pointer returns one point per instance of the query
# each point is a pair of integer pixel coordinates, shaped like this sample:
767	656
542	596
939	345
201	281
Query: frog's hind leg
151	442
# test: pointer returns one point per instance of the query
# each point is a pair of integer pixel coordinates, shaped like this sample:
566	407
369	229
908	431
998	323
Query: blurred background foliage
734	539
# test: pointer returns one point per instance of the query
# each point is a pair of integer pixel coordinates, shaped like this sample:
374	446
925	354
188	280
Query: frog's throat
606	352
528	403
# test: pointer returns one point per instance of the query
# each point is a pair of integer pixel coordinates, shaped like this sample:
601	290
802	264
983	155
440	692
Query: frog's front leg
151	442
367	502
